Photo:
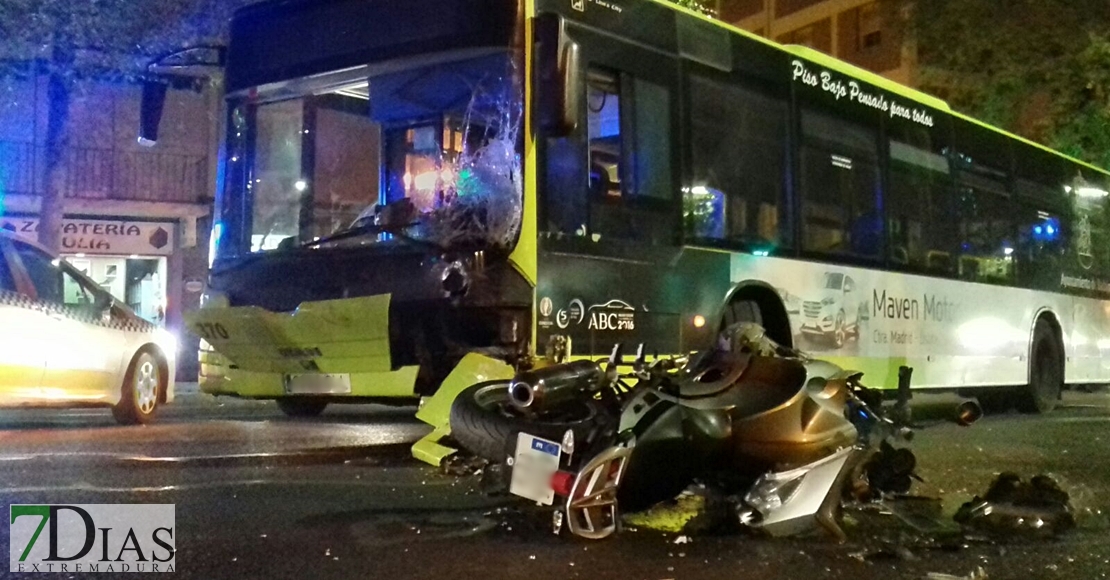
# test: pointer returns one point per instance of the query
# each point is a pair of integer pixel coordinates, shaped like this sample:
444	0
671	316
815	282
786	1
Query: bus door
609	198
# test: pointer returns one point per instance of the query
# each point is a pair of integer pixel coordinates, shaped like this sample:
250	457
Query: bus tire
762	306
1046	372
742	311
482	424
298	407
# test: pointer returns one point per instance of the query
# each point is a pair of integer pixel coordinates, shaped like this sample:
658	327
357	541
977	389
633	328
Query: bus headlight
214	299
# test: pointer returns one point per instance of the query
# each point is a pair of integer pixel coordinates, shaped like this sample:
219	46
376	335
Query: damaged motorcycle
789	436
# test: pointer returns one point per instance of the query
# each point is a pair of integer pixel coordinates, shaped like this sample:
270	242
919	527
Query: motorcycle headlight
166	340
771	491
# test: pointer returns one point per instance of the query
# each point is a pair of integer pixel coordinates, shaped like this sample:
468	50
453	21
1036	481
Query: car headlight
166	340
829	301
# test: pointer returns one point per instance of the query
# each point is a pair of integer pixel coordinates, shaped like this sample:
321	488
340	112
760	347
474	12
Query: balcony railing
88	173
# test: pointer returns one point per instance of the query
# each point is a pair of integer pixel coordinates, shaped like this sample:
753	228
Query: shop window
737	185
76	293
841	209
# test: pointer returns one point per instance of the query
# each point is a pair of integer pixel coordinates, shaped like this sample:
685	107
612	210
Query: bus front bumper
218	377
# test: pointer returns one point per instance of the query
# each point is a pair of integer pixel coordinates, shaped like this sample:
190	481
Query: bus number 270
212	330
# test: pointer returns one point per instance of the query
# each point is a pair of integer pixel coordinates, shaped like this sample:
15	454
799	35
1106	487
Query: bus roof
877	80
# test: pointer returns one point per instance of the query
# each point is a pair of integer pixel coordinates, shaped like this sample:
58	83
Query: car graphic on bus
834	314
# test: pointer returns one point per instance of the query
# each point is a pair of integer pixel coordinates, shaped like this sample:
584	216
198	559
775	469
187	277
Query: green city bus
418	196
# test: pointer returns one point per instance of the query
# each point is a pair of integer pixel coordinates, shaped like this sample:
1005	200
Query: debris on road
1013	507
977	574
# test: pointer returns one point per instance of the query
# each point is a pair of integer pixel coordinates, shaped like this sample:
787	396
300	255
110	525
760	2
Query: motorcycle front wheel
485	423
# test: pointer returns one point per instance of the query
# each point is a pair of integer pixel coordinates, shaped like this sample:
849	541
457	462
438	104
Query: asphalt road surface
261	496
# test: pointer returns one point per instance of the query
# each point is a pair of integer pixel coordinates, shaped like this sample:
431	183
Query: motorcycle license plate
536	460
318	384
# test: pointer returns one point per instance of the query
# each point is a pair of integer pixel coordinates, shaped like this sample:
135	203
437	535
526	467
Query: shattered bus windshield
439	141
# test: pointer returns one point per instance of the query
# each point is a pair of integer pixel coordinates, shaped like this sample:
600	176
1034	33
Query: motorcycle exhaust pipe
547	388
968	412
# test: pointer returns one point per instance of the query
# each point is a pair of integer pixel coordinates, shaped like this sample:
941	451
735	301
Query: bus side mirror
150	111
558	86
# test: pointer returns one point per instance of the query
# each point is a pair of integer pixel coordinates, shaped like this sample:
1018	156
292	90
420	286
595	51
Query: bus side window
1044	220
984	205
840	187
630	179
738	140
919	226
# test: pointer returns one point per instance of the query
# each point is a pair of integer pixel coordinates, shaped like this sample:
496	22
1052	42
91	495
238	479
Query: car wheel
838	332
301	407
141	388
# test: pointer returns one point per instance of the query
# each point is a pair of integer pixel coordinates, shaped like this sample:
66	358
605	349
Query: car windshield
834	281
442	138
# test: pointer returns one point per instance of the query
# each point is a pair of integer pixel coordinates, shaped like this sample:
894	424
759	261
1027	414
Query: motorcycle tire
482	422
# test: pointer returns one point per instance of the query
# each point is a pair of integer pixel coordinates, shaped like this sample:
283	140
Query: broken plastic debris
977	574
1038	507
682	540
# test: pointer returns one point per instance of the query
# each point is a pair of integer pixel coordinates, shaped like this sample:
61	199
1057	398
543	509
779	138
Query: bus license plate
535	462
318	384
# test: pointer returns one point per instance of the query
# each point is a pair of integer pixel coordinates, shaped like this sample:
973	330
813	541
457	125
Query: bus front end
367	242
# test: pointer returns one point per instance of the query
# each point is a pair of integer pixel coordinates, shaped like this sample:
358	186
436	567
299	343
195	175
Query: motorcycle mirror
641	357
615	358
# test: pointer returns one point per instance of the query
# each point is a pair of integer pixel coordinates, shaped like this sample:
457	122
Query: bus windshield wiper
354	231
396	230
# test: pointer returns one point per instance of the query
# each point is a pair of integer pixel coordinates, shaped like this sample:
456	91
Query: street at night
259	495
644	289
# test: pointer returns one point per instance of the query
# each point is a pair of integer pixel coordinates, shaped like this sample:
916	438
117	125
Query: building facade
136	218
851	30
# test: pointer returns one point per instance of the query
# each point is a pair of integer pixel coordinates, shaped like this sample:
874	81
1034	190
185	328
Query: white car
837	314
66	342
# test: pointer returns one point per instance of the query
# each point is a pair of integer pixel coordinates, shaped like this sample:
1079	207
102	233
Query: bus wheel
1046	374
301	407
742	311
